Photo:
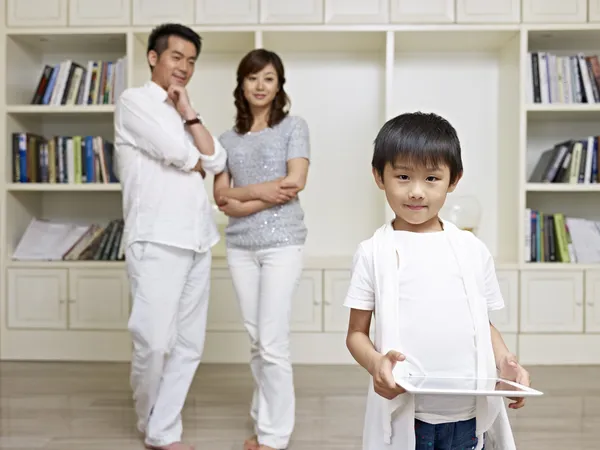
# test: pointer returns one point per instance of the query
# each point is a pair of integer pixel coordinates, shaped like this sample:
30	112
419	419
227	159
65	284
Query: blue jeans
446	436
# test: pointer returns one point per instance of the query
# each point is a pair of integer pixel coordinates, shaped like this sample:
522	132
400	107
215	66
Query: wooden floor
64	406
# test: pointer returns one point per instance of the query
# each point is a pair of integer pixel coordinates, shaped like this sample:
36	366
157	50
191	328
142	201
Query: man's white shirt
164	200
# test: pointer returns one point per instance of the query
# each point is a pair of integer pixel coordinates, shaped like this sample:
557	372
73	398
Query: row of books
553	237
62	159
571	161
45	240
69	83
563	79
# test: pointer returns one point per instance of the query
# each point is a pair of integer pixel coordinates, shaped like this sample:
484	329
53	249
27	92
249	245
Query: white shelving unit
350	66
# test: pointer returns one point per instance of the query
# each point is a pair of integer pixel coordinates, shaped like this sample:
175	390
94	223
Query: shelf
51	187
558	266
561	187
457	40
70	109
584	111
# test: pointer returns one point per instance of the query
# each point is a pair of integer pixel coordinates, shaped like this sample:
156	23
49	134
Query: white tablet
416	384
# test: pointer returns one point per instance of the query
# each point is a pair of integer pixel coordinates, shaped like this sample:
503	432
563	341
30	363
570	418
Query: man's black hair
418	138
159	37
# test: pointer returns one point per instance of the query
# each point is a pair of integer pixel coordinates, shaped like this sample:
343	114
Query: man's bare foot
251	443
172	446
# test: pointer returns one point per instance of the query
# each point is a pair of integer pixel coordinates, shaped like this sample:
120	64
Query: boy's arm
361	301
508	366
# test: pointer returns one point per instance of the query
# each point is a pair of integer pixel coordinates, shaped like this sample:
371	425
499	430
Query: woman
268	158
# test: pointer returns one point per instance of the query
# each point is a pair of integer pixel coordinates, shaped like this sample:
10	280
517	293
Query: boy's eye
403	177
432	178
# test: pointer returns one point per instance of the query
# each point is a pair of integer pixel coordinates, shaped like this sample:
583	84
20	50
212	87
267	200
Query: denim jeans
446	436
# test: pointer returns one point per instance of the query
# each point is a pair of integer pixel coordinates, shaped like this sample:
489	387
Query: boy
430	287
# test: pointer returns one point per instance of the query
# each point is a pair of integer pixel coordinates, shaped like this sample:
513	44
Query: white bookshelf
350	66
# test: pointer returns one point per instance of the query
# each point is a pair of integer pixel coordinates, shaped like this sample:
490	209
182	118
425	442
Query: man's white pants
170	290
265	282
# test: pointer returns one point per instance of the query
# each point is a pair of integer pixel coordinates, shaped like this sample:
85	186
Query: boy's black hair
421	139
159	37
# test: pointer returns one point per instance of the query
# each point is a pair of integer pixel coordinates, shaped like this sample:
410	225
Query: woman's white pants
170	290
265	282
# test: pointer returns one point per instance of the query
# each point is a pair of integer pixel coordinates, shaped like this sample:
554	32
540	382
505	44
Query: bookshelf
349	68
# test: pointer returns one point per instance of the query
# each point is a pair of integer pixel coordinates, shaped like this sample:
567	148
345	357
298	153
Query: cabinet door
105	13
336	315
552	301
307	304
223	308
291	11
99	299
226	11
422	11
592	301
554	11
488	11
356	11
507	320
37	298
37	13
594	10
154	12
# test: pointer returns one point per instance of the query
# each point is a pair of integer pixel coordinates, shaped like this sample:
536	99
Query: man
162	150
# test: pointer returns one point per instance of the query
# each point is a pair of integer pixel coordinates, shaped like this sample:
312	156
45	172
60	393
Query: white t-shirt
435	320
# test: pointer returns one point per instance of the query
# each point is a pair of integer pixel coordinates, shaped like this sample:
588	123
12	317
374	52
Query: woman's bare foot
251	443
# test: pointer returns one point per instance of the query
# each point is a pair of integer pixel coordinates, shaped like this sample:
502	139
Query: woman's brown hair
254	62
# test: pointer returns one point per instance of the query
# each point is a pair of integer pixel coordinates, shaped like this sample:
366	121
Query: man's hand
383	380
198	168
511	370
273	192
231	207
179	97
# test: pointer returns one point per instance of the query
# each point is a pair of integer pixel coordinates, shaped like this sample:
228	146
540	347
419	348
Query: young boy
430	287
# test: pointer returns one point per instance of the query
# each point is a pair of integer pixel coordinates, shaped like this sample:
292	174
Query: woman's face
260	88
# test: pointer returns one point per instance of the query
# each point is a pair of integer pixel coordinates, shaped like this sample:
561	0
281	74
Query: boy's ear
378	178
453	185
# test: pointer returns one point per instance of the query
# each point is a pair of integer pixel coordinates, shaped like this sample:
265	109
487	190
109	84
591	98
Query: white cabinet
422	11
291	11
356	11
552	301
506	320
307	304
226	11
154	12
99	299
336	283
592	301
37	298
594	10
95	13
37	13
488	11
554	11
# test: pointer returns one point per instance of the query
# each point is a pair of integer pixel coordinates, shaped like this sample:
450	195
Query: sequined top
257	157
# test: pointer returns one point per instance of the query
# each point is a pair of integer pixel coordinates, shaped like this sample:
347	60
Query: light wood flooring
83	406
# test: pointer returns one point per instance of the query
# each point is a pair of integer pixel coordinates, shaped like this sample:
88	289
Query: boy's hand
511	370
383	380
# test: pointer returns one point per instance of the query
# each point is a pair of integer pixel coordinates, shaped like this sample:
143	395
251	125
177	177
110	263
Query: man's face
175	65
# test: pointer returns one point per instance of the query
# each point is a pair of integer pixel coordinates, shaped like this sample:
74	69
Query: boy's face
415	193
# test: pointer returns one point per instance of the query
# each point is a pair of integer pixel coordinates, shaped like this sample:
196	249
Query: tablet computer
418	384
